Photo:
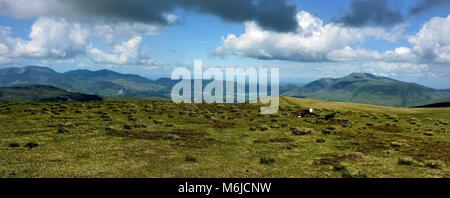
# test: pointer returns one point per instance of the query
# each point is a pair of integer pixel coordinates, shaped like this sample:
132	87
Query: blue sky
403	39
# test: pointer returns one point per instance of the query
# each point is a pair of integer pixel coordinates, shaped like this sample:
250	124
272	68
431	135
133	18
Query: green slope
368	88
36	93
142	138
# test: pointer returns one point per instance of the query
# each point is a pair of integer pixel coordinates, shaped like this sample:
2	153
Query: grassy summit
140	138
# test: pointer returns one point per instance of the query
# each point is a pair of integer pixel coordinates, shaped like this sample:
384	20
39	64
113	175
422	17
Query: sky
406	40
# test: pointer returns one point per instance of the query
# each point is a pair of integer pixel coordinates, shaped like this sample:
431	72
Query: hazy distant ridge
356	87
102	82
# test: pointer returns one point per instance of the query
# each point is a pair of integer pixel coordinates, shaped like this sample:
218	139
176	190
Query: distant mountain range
368	88
102	82
32	93
356	87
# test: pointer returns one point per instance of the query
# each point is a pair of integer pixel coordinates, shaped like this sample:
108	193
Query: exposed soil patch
428	150
224	125
388	128
420	149
365	142
180	137
332	159
341	122
273	140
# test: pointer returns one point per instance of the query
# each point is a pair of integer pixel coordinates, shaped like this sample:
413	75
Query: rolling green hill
368	88
42	93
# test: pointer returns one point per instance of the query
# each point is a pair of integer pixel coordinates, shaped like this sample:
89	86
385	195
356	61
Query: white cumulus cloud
128	52
49	38
124	53
315	41
432	42
399	54
312	41
55	38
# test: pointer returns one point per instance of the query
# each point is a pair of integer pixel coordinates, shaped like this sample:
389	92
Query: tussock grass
267	160
139	138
